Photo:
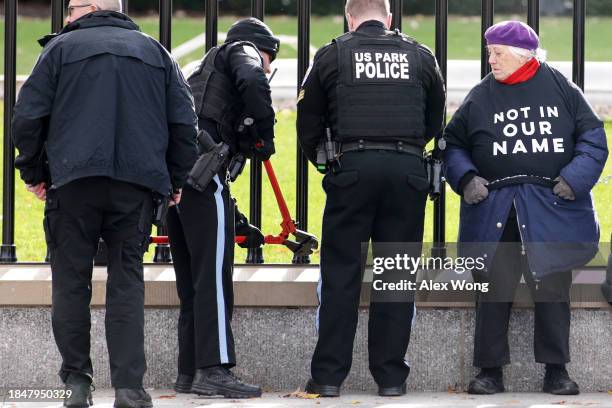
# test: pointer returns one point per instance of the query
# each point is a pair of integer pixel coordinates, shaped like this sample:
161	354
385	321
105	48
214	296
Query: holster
160	209
209	163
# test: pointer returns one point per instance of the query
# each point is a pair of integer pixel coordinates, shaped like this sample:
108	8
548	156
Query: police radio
236	166
326	152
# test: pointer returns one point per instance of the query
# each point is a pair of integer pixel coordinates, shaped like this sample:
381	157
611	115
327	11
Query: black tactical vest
379	89
215	95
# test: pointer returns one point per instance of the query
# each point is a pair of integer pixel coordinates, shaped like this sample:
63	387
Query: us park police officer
229	86
379	96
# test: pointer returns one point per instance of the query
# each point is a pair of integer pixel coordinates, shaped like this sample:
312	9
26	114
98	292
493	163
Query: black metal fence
7	249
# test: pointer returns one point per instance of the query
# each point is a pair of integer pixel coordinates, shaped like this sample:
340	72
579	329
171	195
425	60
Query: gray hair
539	53
110	5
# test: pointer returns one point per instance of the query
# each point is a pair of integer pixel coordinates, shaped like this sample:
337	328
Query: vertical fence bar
578	48
57	15
487	21
124	6
212	15
439	232
258	9
255	255
57	21
165	23
162	251
533	15
396	10
302	163
7	250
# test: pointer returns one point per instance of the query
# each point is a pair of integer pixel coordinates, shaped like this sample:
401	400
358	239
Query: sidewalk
169	399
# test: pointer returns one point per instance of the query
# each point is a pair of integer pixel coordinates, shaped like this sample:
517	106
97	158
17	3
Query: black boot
323	390
219	380
488	381
183	383
78	391
557	381
132	398
392	391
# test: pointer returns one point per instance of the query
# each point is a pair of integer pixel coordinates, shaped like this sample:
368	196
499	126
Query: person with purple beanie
524	151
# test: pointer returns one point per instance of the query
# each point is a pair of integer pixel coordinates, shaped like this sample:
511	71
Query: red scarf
524	73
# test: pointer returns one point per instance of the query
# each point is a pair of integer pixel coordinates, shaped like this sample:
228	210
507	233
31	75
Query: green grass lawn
30	238
463	35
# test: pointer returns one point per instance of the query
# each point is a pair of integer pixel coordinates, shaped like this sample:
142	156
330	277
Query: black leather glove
563	190
264	149
254	237
475	191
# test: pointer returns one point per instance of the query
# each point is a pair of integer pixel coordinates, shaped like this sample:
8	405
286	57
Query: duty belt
399	146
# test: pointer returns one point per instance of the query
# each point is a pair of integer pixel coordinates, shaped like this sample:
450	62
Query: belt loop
360	145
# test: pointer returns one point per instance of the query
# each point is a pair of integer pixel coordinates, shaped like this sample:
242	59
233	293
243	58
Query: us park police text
381	65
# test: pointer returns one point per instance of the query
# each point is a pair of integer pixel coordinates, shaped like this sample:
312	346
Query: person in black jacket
109	108
381	95
229	86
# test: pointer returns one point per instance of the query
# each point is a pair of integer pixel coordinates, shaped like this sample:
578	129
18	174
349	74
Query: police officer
229	86
382	95
110	108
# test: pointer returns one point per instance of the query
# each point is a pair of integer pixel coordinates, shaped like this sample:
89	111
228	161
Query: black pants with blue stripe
201	233
378	196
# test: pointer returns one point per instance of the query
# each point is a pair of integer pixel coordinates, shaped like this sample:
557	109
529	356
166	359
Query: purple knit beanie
514	33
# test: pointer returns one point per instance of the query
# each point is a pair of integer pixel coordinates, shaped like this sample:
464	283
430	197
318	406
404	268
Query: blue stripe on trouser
319	284
219	272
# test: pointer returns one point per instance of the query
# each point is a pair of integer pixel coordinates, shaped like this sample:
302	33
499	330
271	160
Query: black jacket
238	87
105	99
319	88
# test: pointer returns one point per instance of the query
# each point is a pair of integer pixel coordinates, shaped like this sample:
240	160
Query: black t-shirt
527	129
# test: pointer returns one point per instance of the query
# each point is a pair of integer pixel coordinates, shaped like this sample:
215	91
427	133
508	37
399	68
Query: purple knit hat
514	33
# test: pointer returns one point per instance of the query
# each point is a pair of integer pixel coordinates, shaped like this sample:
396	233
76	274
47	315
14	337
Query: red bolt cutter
304	243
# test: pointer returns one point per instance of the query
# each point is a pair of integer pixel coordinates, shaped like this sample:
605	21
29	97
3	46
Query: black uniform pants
378	196
201	233
552	318
76	216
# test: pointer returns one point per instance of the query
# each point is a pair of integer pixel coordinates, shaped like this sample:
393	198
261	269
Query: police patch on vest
380	66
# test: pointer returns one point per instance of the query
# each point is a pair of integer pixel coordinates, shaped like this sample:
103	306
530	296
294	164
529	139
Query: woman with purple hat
524	151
